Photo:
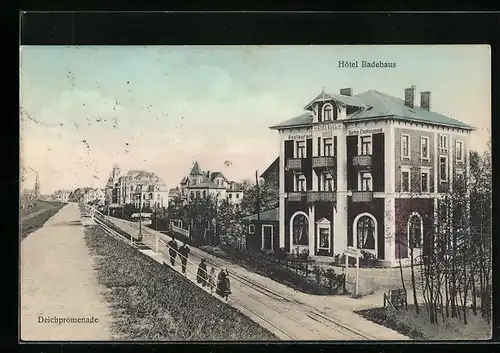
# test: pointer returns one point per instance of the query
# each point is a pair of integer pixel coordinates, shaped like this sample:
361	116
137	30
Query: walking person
184	253
202	273
223	284
172	250
211	279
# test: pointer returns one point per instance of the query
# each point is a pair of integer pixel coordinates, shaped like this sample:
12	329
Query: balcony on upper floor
295	164
362	161
324	162
297	196
362	196
321	196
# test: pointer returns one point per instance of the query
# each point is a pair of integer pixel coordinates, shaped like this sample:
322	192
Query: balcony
297	196
321	196
323	162
362	162
362	196
295	164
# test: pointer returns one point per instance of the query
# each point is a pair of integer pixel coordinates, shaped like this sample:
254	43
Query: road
58	279
280	309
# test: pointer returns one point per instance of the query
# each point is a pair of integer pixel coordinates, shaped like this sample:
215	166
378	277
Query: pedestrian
172	250
184	253
211	279
223	284
202	273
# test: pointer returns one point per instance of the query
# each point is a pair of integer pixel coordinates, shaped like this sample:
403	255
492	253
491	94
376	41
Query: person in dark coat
184	253
223	284
202	274
172	250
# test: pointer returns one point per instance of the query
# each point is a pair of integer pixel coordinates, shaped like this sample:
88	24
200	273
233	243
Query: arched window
300	226
415	228
327	112
366	233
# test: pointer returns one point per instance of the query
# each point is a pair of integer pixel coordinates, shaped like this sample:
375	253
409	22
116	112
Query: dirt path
58	280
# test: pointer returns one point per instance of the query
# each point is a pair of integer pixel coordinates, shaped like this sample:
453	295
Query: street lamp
139	236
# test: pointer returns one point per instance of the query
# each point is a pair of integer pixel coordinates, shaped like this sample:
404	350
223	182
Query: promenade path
58	280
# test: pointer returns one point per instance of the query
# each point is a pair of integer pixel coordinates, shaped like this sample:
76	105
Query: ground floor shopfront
384	226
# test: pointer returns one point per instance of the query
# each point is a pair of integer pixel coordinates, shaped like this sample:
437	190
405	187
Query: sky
160	108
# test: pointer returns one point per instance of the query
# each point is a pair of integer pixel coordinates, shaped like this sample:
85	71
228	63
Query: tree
268	195
229	225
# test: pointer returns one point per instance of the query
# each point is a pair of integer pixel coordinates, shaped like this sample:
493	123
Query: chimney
346	91
425	100
410	96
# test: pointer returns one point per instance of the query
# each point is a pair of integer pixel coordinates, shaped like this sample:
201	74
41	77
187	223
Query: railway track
299	316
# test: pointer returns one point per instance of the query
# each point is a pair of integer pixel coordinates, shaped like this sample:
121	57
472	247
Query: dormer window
327	112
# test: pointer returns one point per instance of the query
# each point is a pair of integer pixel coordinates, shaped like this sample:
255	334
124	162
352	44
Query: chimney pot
425	100
410	97
346	91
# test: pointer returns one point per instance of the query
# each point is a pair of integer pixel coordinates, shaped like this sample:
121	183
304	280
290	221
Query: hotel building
366	171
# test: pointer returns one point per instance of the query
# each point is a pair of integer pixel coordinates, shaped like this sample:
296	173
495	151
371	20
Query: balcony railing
362	196
295	164
323	162
296	196
321	196
362	161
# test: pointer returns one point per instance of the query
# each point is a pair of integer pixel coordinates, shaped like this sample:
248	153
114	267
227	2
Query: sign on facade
299	137
328	127
364	131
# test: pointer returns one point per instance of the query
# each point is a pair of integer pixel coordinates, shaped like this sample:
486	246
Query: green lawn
35	217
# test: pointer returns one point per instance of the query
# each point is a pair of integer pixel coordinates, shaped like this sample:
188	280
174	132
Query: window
300	183
405	179
237	196
443	168
301	149
197	194
424	180
443	143
327	182
251	229
415	231
366	145
366	233
424	147
131	188
328	147
405	146
459	151
204	193
230	196
150	196
327	112
366	182
300	226
324	238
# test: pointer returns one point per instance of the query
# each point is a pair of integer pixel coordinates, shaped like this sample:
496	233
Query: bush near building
149	301
300	274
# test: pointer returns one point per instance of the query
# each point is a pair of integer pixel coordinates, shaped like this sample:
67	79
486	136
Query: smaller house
262	232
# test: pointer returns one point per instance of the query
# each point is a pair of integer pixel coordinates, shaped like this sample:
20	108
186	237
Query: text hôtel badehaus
366	64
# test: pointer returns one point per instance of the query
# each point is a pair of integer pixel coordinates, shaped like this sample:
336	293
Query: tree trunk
413	284
402	277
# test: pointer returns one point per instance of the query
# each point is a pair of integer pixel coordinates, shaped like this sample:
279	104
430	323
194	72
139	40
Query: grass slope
149	301
34	218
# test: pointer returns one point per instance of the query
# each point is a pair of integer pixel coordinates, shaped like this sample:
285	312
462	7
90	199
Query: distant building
61	195
202	184
32	194
128	189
